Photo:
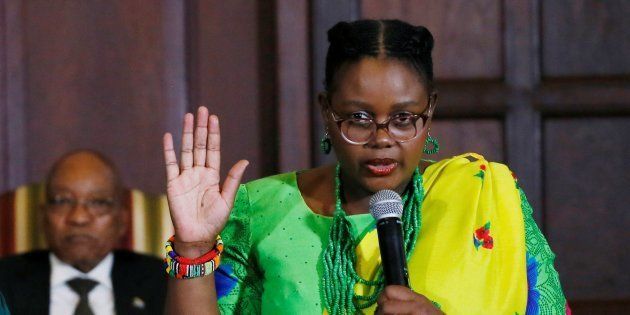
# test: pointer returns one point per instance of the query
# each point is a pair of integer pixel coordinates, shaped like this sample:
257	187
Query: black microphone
386	207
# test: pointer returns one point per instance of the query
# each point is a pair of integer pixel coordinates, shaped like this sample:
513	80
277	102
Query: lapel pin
137	302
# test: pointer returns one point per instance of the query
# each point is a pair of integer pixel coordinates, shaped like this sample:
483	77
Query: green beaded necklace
339	255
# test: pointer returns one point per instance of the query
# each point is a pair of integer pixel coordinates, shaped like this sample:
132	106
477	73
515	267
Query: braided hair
351	41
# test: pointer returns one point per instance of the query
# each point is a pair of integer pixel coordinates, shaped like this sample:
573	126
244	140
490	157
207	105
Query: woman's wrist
193	249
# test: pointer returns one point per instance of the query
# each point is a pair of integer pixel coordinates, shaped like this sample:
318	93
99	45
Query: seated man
82	273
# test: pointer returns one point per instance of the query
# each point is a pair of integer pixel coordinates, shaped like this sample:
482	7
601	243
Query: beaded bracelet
186	268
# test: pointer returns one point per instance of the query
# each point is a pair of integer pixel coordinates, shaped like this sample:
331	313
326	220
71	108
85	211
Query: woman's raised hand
199	207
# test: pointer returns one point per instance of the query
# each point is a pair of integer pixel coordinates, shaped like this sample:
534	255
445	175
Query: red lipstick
381	167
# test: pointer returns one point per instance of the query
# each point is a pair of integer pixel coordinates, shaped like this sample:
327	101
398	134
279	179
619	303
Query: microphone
386	207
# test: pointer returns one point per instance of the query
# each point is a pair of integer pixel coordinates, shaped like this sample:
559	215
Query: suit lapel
129	290
122	286
35	285
138	288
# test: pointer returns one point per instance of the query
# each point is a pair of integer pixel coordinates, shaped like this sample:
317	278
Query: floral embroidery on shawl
482	172
482	237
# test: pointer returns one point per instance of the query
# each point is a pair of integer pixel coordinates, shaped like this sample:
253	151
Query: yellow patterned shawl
470	255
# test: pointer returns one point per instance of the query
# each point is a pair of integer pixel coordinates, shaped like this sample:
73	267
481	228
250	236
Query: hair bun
420	41
341	37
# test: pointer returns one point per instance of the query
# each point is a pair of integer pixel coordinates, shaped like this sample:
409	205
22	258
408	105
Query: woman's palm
199	207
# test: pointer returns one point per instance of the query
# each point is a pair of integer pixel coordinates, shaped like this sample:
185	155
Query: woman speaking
304	243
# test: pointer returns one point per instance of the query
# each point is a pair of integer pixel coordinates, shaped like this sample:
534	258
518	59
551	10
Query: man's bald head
86	160
84	220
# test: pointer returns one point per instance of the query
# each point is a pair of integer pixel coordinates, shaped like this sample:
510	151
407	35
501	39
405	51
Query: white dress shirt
63	300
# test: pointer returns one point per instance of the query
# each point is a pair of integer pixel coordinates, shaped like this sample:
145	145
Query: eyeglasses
359	127
96	206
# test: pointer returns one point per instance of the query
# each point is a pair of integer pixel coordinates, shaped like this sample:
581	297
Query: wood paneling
100	75
585	70
294	97
585	38
3	99
585	97
600	307
471	99
116	75
468	33
225	75
483	136
12	148
586	193
522	120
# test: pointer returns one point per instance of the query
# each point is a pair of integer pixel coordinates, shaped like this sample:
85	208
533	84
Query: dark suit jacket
25	283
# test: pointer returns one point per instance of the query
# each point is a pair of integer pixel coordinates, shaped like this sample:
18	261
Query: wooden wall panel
3	99
457	136
585	38
12	149
294	96
586	190
590	97
522	117
584	73
225	75
468	33
100	75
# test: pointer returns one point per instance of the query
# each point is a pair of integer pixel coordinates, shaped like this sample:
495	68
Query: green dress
272	259
273	247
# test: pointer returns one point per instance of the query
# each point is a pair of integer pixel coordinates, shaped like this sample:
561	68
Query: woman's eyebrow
361	105
404	105
356	103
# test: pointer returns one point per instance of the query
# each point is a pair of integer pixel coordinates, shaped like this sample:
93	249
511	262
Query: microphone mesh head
386	203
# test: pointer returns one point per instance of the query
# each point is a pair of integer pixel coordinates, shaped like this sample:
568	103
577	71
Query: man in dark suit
81	274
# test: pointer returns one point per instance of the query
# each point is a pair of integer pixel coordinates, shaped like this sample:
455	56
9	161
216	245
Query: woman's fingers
398	292
233	179
201	135
396	299
203	147
172	170
187	142
398	307
213	154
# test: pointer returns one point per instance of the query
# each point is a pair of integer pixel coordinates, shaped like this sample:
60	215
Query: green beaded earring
431	141
325	144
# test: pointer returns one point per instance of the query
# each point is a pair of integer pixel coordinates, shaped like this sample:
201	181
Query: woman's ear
324	104
432	102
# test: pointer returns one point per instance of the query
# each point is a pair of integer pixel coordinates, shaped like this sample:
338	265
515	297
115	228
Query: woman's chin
377	183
